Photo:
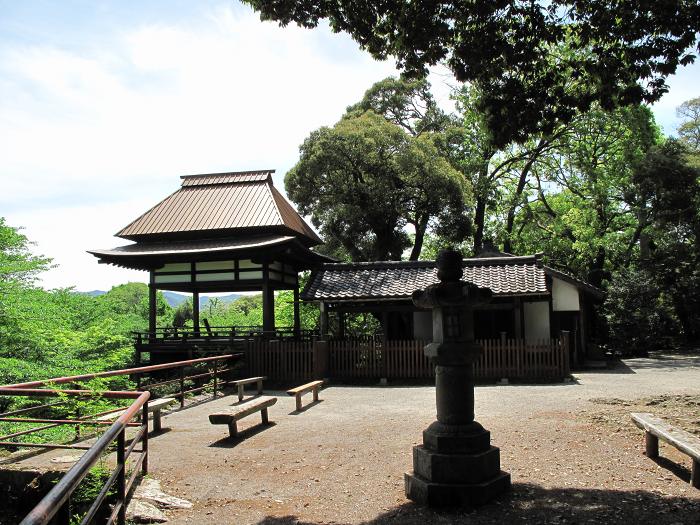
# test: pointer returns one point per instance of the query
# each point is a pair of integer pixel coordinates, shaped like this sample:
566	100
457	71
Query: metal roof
505	276
221	202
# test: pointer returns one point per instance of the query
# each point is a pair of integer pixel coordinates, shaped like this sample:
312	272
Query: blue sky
104	104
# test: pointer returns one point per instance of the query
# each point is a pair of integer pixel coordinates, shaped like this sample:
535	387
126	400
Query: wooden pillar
152	305
341	324
323	321
297	316
268	298
195	312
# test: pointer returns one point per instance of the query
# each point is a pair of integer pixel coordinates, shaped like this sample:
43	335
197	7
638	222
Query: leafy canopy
365	179
538	62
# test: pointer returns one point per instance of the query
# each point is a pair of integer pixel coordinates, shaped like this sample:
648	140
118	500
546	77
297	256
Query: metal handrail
59	496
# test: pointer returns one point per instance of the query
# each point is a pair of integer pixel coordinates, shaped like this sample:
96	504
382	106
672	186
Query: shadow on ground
529	503
229	442
305	407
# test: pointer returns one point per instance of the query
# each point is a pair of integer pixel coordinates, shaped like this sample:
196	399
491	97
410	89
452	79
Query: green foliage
365	179
538	64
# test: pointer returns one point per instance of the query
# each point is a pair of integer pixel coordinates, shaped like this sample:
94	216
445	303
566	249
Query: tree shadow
618	367
305	408
528	503
229	442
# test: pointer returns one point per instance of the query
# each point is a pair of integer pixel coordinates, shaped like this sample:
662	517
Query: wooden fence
281	361
371	358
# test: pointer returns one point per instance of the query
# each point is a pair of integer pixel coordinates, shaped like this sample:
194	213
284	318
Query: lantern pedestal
456	464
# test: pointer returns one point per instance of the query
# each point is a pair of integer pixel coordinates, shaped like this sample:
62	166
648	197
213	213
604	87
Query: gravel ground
573	454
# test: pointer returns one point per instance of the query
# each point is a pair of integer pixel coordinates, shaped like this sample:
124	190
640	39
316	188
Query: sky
104	104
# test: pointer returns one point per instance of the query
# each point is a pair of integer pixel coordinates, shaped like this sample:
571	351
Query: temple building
223	232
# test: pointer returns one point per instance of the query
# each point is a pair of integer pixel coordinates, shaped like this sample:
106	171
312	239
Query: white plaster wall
536	320
564	296
423	325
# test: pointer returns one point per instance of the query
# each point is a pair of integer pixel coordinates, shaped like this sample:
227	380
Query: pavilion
223	232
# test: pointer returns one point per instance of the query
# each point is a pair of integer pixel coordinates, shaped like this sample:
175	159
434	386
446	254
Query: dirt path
342	460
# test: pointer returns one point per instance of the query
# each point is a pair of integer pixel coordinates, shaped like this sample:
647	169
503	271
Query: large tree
582	210
539	63
364	180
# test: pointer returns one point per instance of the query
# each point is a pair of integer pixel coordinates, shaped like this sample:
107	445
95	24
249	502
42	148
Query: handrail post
216	377
144	440
64	515
182	387
121	477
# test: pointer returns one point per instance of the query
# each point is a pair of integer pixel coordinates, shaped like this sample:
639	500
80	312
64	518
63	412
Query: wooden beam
297	316
195	311
152	291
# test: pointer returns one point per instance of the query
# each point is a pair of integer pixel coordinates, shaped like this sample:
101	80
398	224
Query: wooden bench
303	389
686	442
230	416
240	383
154	408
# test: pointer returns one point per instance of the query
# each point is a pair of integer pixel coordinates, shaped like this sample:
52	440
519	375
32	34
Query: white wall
536	320
423	325
564	296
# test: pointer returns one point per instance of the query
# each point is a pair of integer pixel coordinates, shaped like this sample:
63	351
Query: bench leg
315	394
652	445
695	474
233	429
156	421
260	389
263	413
298	397
240	392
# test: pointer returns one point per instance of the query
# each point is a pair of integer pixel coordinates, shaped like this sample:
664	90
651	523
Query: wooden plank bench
656	428
154	408
240	383
230	416
303	389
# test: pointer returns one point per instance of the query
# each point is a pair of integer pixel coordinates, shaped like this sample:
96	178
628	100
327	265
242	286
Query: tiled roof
221	202
505	276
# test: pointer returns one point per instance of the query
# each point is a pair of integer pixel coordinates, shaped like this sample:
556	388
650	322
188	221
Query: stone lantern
456	464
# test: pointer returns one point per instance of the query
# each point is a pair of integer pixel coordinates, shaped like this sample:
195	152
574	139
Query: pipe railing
57	502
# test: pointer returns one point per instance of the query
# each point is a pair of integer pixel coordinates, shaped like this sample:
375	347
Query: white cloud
87	134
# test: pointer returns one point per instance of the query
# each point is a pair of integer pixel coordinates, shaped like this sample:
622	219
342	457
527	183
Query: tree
365	179
582	211
18	266
538	63
689	130
409	104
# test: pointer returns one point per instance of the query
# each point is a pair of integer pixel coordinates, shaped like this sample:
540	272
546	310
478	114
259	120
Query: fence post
121	477
182	387
216	372
565	351
320	359
144	439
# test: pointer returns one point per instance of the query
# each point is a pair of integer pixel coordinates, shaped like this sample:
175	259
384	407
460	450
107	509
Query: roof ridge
427	263
228	173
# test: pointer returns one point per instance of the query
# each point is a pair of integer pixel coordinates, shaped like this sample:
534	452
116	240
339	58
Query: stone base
456	468
435	494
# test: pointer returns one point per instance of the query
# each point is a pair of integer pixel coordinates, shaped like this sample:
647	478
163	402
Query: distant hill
175	299
94	293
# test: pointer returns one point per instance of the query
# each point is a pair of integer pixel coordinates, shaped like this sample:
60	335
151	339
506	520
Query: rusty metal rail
56	504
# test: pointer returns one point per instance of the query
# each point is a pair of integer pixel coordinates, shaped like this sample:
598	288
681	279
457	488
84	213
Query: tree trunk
421	226
596	272
479	217
507	243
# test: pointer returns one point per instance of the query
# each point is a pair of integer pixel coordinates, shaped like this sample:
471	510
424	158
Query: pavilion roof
218	205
